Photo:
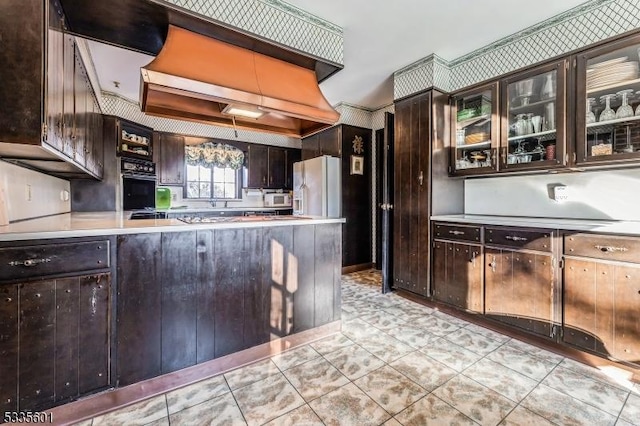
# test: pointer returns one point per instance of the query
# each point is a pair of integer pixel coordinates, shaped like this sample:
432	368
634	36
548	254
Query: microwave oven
277	200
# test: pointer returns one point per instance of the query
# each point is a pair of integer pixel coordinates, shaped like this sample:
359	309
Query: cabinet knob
8	300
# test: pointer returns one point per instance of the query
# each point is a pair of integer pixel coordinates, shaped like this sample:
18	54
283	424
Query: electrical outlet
27	192
560	193
64	195
174	197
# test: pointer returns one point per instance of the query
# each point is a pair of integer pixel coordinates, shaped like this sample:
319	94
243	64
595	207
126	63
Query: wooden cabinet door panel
94	344
581	280
326	256
67	332
55	89
172	160
330	142
303	271
440	272
228	299
254	291
293	156
465	285
627	318
139	307
310	147
80	113
68	95
258	166
9	348
206	288
179	295
37	345
499	285
402	155
277	167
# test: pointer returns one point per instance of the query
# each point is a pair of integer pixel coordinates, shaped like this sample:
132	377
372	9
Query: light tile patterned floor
398	363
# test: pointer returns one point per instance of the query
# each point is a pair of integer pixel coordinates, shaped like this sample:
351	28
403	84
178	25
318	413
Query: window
212	182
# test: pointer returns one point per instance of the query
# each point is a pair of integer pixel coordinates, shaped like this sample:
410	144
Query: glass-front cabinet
608	104
533	112
475	131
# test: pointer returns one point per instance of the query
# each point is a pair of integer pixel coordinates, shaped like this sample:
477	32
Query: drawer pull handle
29	262
456	232
611	249
516	238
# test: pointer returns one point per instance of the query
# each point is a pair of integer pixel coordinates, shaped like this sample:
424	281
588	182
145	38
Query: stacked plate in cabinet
611	72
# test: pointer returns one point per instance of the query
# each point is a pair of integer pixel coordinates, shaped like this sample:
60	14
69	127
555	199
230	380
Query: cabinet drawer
53	259
609	247
457	232
531	239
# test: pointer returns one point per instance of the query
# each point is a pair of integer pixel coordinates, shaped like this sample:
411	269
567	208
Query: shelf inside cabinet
608	88
607	126
130	142
529	106
473	121
532	135
486	144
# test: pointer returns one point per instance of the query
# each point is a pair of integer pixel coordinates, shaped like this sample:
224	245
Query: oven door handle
138	176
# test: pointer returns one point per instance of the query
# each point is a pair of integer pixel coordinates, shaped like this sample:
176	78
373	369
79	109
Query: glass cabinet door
533	119
475	131
608	104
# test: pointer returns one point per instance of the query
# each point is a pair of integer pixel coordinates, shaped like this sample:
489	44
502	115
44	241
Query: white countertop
602	226
174	210
70	225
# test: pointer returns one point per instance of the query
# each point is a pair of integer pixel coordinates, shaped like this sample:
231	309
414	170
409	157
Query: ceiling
380	37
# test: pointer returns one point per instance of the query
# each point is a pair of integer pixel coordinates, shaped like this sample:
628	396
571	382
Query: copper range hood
202	79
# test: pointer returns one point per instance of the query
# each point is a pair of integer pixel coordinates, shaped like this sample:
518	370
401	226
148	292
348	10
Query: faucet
212	202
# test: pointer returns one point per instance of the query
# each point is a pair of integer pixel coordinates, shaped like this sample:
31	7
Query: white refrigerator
317	187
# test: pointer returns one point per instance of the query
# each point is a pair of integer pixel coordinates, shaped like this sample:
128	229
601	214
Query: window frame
238	186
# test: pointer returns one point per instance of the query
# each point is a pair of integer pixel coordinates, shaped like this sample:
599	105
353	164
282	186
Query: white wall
32	194
593	195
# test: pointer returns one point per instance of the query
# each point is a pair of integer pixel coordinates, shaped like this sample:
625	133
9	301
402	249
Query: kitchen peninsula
93	301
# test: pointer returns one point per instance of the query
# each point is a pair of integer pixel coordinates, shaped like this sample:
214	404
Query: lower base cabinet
457	275
601	305
519	289
54	344
189	297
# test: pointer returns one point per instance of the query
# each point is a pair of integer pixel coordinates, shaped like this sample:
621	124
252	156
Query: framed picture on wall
357	165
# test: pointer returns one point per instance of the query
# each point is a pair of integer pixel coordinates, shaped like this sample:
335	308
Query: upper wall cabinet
475	131
533	112
608	105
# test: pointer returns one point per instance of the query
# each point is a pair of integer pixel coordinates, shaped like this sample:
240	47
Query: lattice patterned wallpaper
276	21
354	115
586	24
124	108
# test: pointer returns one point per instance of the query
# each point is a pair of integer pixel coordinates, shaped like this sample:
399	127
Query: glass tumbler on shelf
638	107
591	117
625	110
607	114
548	88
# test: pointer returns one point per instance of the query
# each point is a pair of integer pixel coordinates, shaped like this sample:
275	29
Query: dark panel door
139	307
278	279
533	292
440	271
37	345
171	167
310	147
581	281
55	88
303	272
325	258
94	344
255	292
499	284
179	288
258	166
229	291
9	348
293	156
465	285
67	333
330	142
80	114
277	167
206	292
68	102
411	194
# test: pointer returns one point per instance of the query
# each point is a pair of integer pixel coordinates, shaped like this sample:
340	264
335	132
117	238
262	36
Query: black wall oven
138	184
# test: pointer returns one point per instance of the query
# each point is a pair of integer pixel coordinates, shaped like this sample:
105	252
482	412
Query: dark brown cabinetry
412	151
533	108
602	295
327	142
55	342
457	275
189	297
520	278
607	128
475	131
47	121
293	156
170	158
267	167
